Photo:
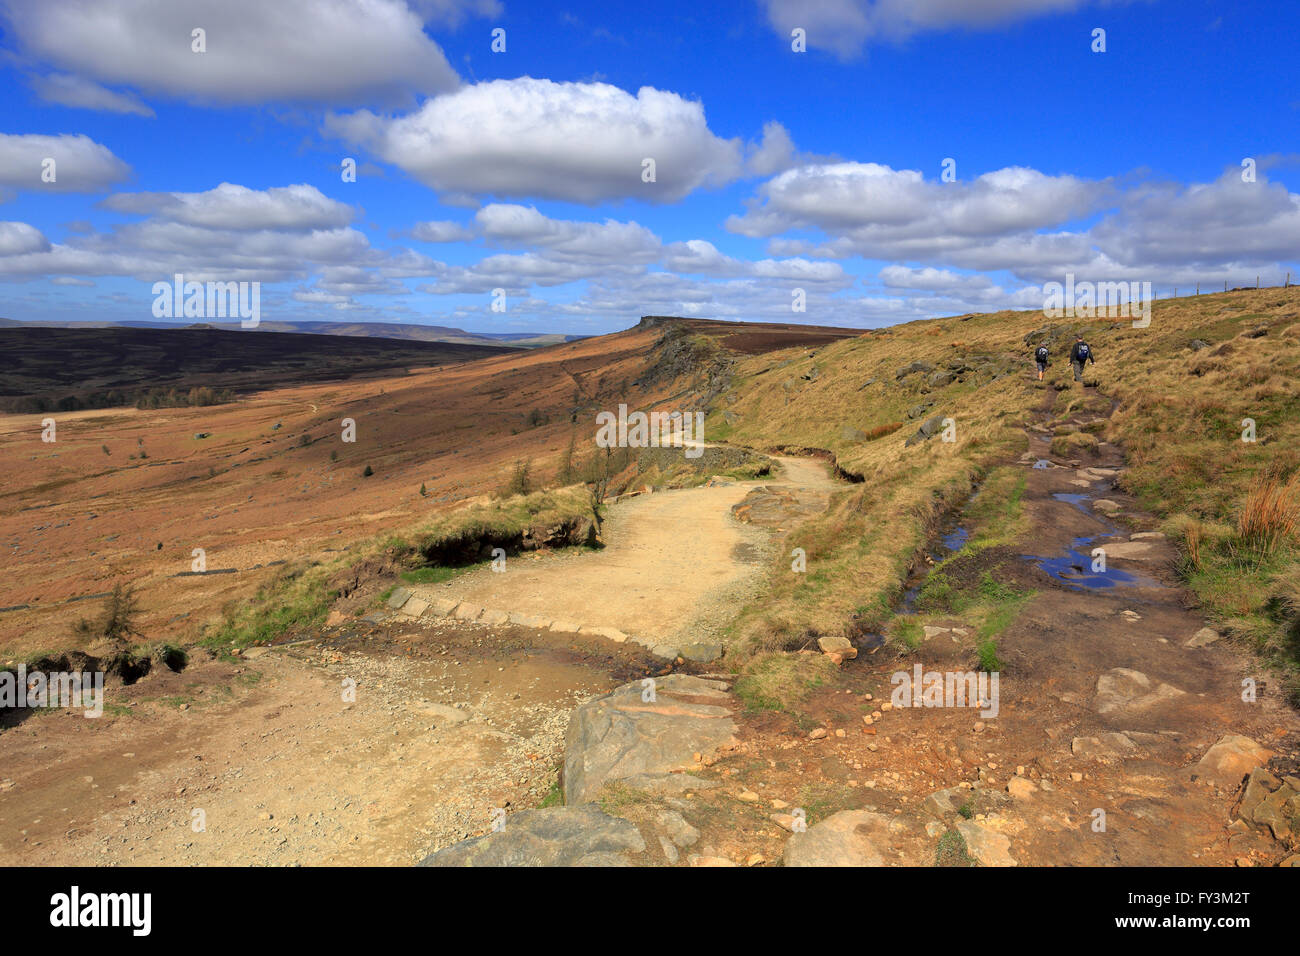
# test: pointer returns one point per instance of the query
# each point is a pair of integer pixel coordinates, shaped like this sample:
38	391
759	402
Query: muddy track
1088	620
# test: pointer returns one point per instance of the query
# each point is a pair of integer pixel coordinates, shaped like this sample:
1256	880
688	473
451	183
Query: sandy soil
285	771
675	566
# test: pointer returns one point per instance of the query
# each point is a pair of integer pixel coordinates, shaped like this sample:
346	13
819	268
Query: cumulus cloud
19	238
341	51
700	257
68	90
440	231
581	142
845	26
229	206
230	233
80	164
1018	220
561	251
878	208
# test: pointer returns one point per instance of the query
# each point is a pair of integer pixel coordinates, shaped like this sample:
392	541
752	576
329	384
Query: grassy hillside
1183	387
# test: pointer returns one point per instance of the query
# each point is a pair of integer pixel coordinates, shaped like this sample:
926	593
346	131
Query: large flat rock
622	735
847	838
556	836
1122	691
1230	760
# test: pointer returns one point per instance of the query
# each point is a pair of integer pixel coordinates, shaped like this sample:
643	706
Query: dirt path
1082	764
674	566
1072	654
450	721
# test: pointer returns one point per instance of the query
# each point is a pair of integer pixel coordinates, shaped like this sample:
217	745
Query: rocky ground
1122	736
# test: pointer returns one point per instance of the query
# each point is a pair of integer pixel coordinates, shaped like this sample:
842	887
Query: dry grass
1180	417
1270	515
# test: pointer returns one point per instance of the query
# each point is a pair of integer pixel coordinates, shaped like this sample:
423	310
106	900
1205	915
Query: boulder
1130	550
555	836
1122	691
836	645
1104	747
913	368
1021	788
621	735
1204	637
398	598
1231	759
926	431
987	846
847	838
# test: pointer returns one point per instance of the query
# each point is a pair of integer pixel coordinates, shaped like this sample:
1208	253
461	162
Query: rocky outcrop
927	431
988	847
1231	759
1273	805
848	838
644	728
555	836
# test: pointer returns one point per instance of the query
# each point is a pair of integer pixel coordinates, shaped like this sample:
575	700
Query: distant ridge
383	330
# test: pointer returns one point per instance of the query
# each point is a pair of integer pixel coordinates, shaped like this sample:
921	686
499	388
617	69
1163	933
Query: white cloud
229	206
582	142
80	164
230	233
513	226
929	278
844	26
18	238
68	90
318	51
877	207
440	231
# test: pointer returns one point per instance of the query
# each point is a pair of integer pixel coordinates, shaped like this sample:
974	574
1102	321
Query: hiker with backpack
1079	356
1040	357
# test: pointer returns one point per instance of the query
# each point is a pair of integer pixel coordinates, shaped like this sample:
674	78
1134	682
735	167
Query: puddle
1075	566
1042	464
955	539
1076	500
948	543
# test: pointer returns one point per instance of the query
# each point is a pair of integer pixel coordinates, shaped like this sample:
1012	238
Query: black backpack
1041	354
1083	352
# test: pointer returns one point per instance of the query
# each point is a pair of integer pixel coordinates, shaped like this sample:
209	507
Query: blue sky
778	174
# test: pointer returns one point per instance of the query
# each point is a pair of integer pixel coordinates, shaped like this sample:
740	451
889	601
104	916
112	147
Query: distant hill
67	368
407	332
